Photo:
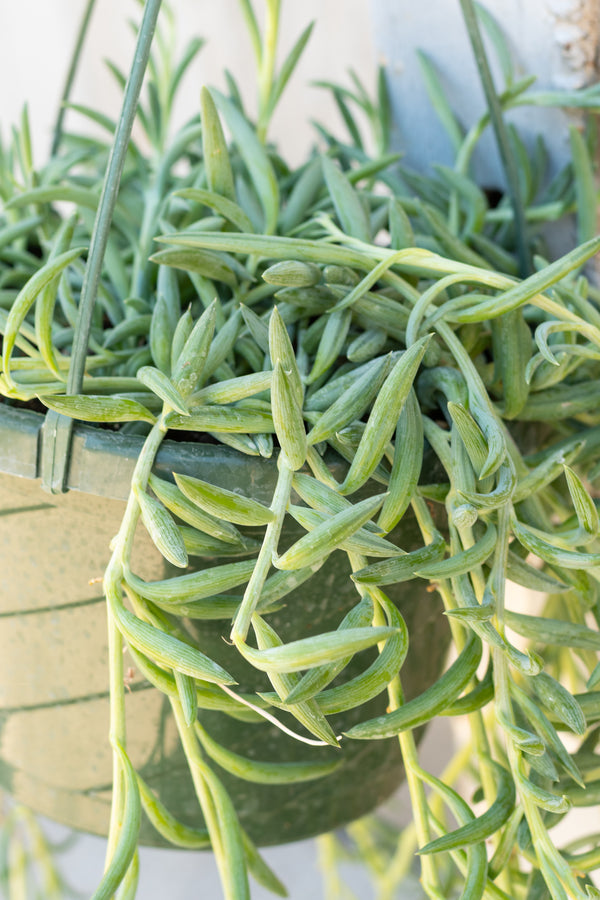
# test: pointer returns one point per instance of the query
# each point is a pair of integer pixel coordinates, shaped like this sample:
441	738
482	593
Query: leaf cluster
347	308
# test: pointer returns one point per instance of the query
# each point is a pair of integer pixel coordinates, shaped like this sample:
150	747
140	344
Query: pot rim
102	461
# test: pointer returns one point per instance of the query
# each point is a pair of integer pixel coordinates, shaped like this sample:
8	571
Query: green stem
112	585
408	747
281	498
481	746
139	481
327	857
197	765
399	865
508	161
501	563
267	68
552	865
76	56
108	198
117	732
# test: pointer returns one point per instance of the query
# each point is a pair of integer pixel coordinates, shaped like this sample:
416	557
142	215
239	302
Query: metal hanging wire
58	429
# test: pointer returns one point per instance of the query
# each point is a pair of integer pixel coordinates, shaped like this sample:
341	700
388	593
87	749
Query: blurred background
36	39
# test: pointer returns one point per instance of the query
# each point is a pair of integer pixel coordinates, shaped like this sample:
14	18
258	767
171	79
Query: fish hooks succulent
340	323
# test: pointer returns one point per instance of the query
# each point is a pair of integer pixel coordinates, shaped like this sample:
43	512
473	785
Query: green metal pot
54	709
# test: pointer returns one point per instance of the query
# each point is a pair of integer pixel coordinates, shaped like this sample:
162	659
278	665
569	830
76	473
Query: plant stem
108	198
196	763
112	585
429	874
333	886
502	140
552	864
117	731
267	68
480	744
399	864
76	56
408	748
281	498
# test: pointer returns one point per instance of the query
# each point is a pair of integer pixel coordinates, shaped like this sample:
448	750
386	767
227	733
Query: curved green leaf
314	651
162	529
161	385
384	416
194	585
216	156
256	160
402	568
98	408
328	536
260	772
483	826
27	297
428	704
465	560
313	681
126	845
222	503
347	202
220	204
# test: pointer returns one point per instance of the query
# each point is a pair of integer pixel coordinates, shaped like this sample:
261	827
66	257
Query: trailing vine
349	310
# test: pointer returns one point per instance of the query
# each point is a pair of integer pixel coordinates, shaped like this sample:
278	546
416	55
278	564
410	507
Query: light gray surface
555	40
183	875
179	875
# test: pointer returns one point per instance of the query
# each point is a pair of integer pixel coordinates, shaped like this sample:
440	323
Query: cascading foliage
352	307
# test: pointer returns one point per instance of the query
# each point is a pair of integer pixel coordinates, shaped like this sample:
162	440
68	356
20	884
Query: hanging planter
305	393
55	707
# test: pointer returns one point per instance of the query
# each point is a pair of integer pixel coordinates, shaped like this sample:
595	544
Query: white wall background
555	40
36	37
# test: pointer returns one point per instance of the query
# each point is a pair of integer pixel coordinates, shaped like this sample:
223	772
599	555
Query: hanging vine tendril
347	308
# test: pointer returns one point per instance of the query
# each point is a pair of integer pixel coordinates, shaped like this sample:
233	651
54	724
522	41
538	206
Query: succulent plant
343	308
